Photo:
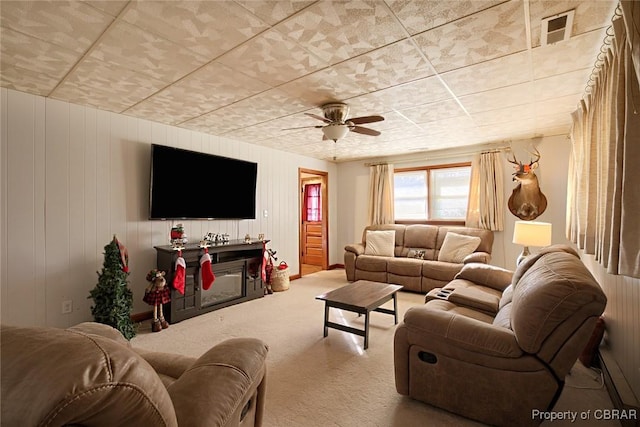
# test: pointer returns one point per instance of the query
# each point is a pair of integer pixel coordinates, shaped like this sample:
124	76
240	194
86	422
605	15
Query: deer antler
537	154
514	161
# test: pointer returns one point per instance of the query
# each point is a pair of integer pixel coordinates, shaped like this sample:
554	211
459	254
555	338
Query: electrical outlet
67	306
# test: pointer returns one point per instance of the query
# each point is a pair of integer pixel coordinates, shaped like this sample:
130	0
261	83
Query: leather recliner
498	368
89	375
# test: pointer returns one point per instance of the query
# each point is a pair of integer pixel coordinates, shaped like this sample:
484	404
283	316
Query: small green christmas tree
112	297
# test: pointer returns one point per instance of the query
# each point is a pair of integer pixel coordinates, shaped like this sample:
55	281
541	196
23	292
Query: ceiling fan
337	125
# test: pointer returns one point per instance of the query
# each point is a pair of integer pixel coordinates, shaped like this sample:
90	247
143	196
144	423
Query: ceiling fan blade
305	127
315	116
365	119
364	131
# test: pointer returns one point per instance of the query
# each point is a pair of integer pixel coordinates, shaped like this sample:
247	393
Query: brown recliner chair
89	375
500	368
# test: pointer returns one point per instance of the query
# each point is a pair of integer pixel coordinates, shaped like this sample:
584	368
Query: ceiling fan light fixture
335	132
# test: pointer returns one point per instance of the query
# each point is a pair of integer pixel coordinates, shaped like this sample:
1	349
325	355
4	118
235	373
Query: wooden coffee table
360	297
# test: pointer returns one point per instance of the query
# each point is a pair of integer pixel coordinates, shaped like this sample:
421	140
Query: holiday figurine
156	294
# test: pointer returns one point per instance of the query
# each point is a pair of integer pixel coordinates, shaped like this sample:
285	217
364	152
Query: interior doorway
313	215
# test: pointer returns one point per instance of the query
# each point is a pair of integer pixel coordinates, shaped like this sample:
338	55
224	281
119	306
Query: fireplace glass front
227	285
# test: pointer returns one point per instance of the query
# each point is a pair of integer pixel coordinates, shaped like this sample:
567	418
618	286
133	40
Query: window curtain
486	193
603	197
312	202
381	194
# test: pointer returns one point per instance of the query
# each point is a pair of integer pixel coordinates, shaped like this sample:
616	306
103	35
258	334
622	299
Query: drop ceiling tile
131	48
433	112
589	15
386	67
501	72
209	88
498	98
398	133
566	56
70	25
273	12
419	16
110	7
327	85
490	34
106	86
403	96
395	120
572	83
505	115
208	28
272	58
21	51
269	105
561	106
578	52
27	81
339	30
509	131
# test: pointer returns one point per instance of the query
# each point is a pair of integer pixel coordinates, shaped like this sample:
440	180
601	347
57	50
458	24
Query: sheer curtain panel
381	194
486	193
603	197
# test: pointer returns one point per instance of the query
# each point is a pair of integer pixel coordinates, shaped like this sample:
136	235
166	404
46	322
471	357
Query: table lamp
531	233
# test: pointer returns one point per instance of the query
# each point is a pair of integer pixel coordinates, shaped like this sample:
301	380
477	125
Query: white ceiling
443	73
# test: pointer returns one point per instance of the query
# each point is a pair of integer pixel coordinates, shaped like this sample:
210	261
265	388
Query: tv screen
191	185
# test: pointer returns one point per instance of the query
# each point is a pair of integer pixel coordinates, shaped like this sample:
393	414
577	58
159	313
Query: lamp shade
532	233
335	131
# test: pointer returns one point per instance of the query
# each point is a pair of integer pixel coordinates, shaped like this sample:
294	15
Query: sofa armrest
426	324
481	257
487	275
356	248
224	386
101	330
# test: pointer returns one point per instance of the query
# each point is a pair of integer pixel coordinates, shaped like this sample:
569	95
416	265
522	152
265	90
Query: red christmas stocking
265	261
205	270
179	276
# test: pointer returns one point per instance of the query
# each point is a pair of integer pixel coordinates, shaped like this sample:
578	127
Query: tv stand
237	266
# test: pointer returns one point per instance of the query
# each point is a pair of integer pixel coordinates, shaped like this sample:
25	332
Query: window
312	202
433	193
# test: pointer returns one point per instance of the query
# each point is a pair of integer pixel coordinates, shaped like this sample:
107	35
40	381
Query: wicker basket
280	279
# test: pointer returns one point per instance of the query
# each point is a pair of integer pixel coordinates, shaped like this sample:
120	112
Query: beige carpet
316	381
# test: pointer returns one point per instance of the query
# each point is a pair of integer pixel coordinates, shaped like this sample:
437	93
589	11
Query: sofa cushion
443	271
421	236
371	263
486	236
467	293
405	267
457	246
380	243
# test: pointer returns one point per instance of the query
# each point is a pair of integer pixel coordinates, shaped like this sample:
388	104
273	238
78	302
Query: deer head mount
527	201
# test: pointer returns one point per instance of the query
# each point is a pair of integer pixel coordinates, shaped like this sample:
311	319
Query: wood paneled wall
71	177
622	320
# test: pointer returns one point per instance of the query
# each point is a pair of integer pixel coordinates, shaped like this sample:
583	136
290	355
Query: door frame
324	179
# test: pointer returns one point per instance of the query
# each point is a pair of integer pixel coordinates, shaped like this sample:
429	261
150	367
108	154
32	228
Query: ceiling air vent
556	28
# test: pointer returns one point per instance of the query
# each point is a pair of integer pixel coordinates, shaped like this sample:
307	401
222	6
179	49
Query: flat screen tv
191	185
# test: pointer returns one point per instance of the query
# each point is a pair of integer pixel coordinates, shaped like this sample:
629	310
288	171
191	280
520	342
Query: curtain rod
436	156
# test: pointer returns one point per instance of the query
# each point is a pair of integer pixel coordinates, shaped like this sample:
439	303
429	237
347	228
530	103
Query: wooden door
313	218
312	237
312	252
